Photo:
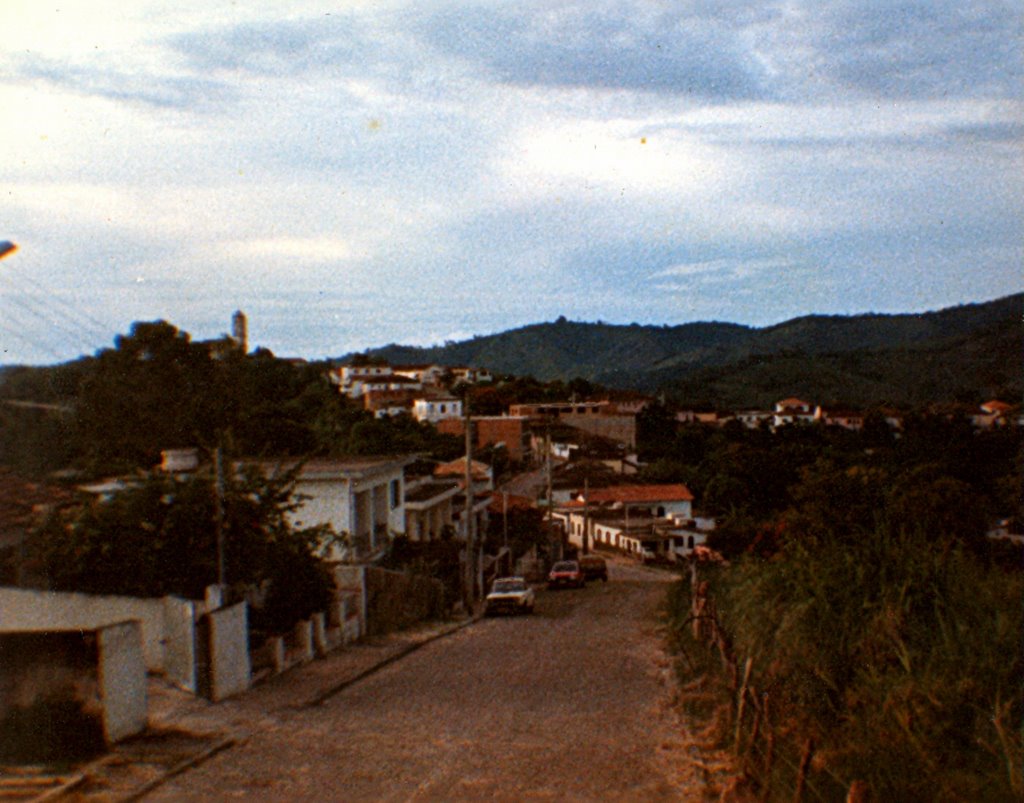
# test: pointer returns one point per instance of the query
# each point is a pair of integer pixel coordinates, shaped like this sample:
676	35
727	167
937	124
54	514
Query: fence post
805	763
769	752
741	702
755	727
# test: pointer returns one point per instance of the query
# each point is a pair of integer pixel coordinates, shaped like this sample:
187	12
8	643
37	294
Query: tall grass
899	655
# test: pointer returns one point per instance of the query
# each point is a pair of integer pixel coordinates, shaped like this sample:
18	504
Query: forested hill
951	353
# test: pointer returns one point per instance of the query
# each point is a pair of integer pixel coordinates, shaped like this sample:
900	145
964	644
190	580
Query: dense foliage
157	389
881	623
159	536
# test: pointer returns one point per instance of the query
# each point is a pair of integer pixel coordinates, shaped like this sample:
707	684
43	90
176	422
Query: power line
32	344
83	320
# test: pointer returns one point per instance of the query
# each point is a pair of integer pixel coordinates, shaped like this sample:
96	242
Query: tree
149	393
159	537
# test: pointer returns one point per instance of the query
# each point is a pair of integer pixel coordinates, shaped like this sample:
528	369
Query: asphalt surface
571	703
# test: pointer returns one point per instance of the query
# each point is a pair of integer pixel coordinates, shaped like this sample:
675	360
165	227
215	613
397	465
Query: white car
509	595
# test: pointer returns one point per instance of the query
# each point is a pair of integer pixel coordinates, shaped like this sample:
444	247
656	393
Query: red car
566	573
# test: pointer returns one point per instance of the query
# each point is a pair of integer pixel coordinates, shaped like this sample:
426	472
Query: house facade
507	430
430	508
362	498
433	410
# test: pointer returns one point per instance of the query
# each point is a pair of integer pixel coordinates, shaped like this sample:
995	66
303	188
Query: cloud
305	249
921	48
605	46
281	47
738	267
610	156
134	86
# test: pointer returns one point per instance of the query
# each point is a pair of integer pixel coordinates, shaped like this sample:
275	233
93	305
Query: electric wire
81	319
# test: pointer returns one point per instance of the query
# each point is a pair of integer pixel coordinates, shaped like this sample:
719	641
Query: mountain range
964	353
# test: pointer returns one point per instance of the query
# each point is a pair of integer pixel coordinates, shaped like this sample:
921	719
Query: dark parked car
566	573
594	567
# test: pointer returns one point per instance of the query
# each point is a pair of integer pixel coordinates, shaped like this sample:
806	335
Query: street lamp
7	247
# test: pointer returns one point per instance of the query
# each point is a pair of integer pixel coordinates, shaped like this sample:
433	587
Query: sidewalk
185	730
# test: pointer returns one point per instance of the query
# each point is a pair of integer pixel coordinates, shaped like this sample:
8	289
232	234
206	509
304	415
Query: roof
458	467
996	406
792	401
331	468
394	378
430	490
641	493
515	502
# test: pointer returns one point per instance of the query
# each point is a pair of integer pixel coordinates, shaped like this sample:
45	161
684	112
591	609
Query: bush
898	653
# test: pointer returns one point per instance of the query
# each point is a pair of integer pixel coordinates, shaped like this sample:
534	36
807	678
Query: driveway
570	703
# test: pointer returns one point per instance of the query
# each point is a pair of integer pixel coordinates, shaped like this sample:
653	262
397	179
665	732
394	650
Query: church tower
240	331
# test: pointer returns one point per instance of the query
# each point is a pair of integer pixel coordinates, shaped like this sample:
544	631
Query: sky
352	174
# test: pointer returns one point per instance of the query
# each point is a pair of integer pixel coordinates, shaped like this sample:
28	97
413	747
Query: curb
179	768
323	697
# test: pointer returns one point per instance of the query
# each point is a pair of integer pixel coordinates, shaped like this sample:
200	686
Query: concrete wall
28	609
230	665
65	695
395	600
180	642
122	679
619	428
49	697
352	580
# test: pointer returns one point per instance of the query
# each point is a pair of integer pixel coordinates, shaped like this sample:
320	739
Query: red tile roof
641	493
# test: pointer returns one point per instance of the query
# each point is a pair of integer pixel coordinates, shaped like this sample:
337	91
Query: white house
362	498
663	501
752	419
429	508
439	409
428	374
792	411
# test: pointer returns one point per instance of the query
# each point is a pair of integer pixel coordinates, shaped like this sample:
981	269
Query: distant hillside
565	349
960	352
970	367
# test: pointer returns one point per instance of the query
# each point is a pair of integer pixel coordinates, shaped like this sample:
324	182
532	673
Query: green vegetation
159	537
157	389
882	628
967	353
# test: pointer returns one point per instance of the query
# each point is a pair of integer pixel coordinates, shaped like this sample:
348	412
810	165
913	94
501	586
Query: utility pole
218	462
586	516
469	523
504	528
547	472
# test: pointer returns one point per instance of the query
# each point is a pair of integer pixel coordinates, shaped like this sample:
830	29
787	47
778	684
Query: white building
439	409
429	508
361	498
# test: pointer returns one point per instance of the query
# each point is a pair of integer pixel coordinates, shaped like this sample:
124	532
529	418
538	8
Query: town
373	510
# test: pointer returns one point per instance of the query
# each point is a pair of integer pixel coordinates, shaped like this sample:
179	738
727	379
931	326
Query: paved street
571	703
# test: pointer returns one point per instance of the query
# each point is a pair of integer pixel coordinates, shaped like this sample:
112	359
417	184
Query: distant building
240	331
496	430
792	411
437	409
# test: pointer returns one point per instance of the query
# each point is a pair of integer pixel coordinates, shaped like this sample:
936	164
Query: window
395	492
